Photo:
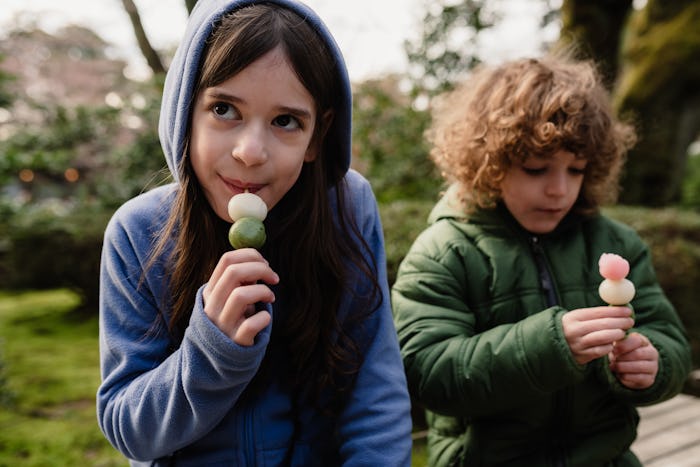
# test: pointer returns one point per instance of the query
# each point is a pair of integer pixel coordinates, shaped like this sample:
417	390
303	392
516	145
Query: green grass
48	379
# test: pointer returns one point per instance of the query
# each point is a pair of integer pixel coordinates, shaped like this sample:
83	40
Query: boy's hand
592	332
635	361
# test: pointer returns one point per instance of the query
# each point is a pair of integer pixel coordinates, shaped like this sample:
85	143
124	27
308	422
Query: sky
369	32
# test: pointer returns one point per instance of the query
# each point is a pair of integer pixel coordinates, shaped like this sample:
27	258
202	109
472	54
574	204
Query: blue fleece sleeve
375	427
152	402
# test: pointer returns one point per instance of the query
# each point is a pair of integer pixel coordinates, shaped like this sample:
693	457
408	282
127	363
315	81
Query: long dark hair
313	244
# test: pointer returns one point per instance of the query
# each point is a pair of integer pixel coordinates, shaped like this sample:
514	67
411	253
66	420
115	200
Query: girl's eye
224	111
287	122
577	171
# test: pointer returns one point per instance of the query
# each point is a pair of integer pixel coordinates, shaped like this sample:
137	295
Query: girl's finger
250	327
238	302
244	255
233	277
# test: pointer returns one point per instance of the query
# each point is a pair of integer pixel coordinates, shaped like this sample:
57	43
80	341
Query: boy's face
252	132
539	192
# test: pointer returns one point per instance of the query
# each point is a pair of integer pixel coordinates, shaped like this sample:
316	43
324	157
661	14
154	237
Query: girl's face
252	132
539	192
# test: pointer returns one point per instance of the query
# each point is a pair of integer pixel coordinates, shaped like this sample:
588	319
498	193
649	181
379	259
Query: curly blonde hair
529	107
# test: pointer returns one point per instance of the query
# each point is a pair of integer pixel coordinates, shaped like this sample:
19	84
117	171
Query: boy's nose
249	146
556	185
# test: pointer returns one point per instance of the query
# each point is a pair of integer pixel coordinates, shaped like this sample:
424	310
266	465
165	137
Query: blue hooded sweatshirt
160	406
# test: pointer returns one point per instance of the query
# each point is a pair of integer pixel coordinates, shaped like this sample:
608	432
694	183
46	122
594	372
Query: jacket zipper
545	276
562	398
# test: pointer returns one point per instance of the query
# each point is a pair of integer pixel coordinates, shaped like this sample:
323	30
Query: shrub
402	220
388	144
53	246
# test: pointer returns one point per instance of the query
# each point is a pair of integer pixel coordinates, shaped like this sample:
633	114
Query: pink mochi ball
613	267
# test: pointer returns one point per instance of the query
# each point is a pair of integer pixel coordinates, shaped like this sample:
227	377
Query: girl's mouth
239	186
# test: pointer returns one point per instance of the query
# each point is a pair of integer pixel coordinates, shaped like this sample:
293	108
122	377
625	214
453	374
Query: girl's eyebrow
298	112
216	94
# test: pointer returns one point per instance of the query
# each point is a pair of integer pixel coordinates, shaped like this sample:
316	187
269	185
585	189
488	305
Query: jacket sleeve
454	368
375	427
655	318
152	402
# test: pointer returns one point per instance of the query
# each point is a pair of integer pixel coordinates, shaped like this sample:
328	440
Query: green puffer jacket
485	353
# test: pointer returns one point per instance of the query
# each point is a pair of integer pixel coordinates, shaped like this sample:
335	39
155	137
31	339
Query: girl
504	337
257	99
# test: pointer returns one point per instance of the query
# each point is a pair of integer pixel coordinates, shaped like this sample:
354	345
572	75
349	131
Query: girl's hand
635	361
237	283
592	332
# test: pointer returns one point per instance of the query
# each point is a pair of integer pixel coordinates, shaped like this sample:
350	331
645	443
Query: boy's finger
632	342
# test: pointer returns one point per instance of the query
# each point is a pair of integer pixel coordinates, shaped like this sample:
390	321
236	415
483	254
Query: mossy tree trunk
659	85
655	58
595	25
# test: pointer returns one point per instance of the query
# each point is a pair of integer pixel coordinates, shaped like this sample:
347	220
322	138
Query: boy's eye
224	111
534	170
288	122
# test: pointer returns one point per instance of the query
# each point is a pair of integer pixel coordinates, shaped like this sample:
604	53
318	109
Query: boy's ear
315	147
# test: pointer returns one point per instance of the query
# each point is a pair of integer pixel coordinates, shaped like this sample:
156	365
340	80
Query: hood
181	79
448	207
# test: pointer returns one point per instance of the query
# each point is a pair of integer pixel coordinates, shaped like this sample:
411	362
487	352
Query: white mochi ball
616	292
247	205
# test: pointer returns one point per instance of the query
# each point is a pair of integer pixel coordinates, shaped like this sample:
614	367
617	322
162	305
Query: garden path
669	433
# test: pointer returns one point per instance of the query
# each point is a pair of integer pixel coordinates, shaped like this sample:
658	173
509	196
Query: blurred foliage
446	46
388	142
690	194
55	145
139	165
402	220
6	97
112	164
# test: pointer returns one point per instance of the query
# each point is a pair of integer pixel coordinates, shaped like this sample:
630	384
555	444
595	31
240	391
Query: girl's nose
249	147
